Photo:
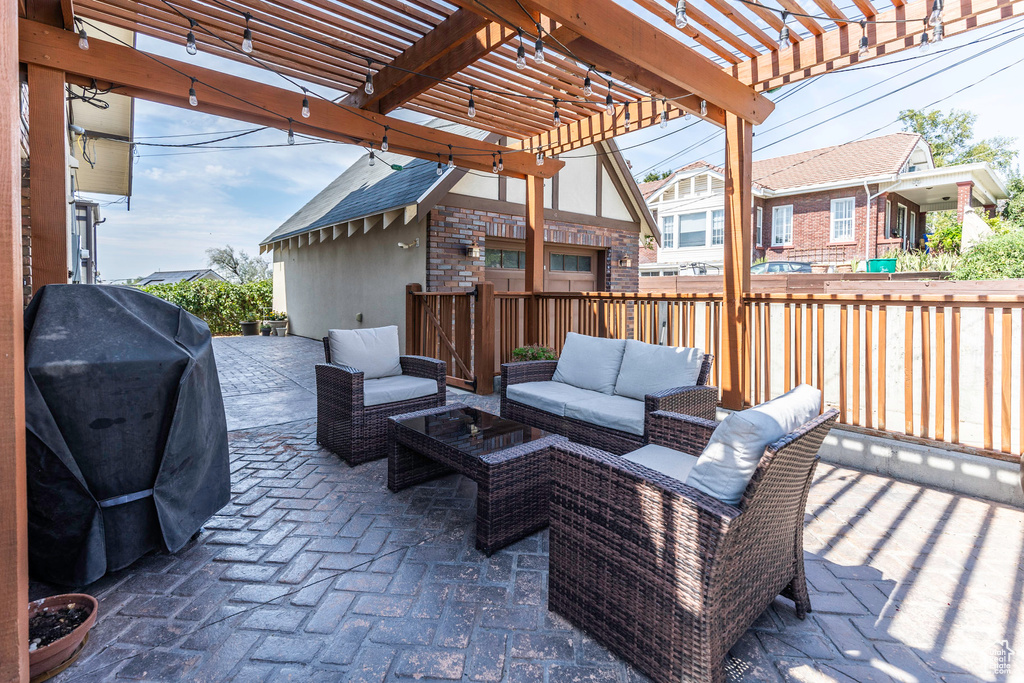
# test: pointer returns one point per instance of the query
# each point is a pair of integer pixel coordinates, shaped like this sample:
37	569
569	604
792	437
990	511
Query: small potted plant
265	330
58	628
250	328
278	322
533	352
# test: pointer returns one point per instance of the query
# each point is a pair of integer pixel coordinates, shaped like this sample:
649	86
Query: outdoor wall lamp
403	245
473	251
625	262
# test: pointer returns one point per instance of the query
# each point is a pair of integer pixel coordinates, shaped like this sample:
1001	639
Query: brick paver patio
316	572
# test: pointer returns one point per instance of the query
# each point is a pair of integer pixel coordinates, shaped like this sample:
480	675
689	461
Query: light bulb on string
938	32
626	107
664	113
190	39
557	116
247	35
865	46
291	133
451	158
501	162
305	105
609	103
471	108
540	158
368	87
373	157
784	31
924	41
494	164
703	107
83	39
588	86
440	166
935	18
384	142
521	53
681	20
192	99
538	47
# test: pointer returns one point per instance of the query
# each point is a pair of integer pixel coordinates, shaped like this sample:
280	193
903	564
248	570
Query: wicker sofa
664	574
606	415
352	412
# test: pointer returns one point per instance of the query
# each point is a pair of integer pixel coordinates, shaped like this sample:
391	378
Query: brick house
827	206
344	258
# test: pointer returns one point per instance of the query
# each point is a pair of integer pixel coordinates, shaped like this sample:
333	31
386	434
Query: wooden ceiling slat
741	20
866	8
832	10
527	112
451	112
367	22
810	24
428	13
697	16
498	126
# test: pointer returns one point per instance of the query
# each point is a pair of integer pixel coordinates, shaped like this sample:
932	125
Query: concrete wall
329	283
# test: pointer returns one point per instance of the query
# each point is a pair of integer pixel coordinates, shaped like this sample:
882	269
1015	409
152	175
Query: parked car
780	267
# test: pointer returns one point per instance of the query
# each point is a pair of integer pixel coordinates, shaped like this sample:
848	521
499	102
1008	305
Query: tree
238	267
1013	212
951	138
655	176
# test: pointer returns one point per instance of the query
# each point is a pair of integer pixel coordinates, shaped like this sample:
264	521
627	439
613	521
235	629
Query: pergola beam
163	80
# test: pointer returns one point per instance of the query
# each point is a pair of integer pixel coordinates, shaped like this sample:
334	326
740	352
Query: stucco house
827	206
343	260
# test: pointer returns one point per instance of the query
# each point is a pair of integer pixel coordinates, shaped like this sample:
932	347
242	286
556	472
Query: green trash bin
882	265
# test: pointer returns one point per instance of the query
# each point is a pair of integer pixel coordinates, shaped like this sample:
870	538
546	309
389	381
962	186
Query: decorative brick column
964	191
990	210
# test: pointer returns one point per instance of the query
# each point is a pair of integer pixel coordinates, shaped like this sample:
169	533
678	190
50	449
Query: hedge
996	257
223	305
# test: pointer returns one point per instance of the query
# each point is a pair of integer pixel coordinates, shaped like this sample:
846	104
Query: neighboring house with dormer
827	206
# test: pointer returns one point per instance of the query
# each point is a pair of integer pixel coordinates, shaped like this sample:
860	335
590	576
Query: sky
187	201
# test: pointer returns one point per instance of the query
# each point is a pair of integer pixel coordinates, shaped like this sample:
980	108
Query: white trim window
759	225
717	227
888	218
668	232
901	222
782	225
842	219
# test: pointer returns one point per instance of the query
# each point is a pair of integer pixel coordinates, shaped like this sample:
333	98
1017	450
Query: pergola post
738	206
534	254
48	192
13	506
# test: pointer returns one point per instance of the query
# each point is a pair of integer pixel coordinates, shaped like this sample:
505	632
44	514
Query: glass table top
474	432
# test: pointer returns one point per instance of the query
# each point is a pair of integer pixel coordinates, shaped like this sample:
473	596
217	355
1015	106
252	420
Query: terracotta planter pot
59	651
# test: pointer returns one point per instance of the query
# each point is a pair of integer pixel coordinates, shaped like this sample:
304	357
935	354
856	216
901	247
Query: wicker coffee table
507	460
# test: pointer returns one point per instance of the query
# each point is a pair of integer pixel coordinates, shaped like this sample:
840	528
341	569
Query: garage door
569	269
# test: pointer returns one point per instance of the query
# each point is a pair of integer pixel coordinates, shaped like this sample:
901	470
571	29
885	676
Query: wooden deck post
13	507
413	320
738	206
534	254
483	338
48	192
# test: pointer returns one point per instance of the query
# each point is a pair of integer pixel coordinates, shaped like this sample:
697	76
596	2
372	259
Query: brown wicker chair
700	400
356	432
665	575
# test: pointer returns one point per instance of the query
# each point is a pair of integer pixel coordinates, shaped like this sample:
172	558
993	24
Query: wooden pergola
431	57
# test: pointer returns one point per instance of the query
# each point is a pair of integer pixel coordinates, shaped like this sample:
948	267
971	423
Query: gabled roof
161	277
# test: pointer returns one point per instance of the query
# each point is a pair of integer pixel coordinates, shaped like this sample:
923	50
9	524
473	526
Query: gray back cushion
647	369
375	350
735	448
590	362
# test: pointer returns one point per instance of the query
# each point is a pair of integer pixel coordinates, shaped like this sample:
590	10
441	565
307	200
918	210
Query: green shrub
946	236
917	261
223	305
996	257
533	352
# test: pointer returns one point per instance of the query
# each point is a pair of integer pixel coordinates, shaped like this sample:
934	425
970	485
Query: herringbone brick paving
315	571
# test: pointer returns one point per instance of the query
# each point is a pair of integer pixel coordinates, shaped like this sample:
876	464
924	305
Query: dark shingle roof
364	190
171	276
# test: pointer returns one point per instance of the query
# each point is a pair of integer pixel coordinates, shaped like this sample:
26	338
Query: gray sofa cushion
669	462
396	388
550	397
375	350
647	369
590	362
735	448
614	412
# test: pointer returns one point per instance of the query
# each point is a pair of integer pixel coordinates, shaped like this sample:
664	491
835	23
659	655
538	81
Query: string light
609	103
368	88
784	31
588	86
190	39
864	50
373	157
521	53
538	47
451	158
937	33
494	163
703	107
540	158
291	133
305	104
192	99
501	162
440	166
83	38
664	113
626	107
384	142
681	20
935	18
924	43
471	109
247	35
557	117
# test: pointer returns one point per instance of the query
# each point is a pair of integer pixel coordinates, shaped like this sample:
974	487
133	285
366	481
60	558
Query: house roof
171	276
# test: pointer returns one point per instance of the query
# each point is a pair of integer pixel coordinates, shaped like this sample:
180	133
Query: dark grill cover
127	443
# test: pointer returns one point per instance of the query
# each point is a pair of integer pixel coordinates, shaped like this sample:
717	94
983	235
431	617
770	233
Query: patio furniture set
670	532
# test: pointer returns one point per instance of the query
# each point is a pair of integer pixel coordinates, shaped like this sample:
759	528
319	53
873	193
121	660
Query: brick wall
451	229
26	234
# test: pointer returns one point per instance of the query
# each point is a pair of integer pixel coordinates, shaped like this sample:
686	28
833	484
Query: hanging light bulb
540	158
471	109
686	116
83	39
937	33
190	39
588	86
924	41
538	47
384	142
609	103
865	46
681	20
935	18
440	166
368	88
373	157
521	53
626	107
451	159
557	116
305	105
664	113
192	99
703	107
501	162
247	35
291	133
784	31
494	164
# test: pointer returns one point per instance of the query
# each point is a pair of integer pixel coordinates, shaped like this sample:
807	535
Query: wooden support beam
53	12
839	47
738	206
13	505
143	76
48	192
534	234
483	339
643	46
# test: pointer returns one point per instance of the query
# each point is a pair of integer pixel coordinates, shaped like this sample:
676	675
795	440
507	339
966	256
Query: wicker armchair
358	433
700	400
665	575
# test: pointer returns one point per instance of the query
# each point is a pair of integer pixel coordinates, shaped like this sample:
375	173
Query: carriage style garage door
566	269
